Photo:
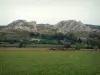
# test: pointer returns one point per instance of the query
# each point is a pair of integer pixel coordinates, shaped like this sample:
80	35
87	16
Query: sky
50	11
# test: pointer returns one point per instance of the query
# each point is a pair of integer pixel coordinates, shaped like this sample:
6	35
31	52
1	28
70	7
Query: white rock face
71	25
33	24
62	26
23	25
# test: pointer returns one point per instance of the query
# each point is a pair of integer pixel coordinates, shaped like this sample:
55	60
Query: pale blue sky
50	11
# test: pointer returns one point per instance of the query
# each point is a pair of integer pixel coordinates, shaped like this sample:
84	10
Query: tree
3	38
79	40
23	42
32	34
67	45
96	48
59	37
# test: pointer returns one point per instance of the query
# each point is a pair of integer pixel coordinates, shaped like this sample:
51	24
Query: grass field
36	62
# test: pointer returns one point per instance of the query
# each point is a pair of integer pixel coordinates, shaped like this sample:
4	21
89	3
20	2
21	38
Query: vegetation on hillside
25	38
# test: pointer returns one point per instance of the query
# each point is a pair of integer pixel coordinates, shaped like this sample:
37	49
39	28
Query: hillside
46	29
2	27
72	26
21	27
93	26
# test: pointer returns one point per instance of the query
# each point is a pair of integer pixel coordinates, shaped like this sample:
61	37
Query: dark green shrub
88	47
67	45
48	42
79	46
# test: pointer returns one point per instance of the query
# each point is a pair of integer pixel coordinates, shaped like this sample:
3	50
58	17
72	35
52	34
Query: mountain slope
46	29
72	26
22	25
94	26
63	26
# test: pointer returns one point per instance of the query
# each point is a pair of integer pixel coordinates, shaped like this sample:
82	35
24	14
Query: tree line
93	40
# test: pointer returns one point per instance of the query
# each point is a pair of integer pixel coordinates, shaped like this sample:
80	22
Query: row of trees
58	37
92	41
44	37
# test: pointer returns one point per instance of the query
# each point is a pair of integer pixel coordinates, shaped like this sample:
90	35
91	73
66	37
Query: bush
88	47
79	46
47	42
20	45
34	41
67	45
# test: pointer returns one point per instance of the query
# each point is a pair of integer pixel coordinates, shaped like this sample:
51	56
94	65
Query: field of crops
42	62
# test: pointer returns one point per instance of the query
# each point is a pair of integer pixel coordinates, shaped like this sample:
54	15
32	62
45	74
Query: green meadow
45	62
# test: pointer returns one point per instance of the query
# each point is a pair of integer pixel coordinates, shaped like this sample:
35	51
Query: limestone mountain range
62	26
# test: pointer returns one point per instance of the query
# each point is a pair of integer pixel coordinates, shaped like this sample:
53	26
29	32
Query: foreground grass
49	62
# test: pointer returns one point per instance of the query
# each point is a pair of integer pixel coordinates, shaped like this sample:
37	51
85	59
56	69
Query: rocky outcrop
62	26
22	25
71	26
46	29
